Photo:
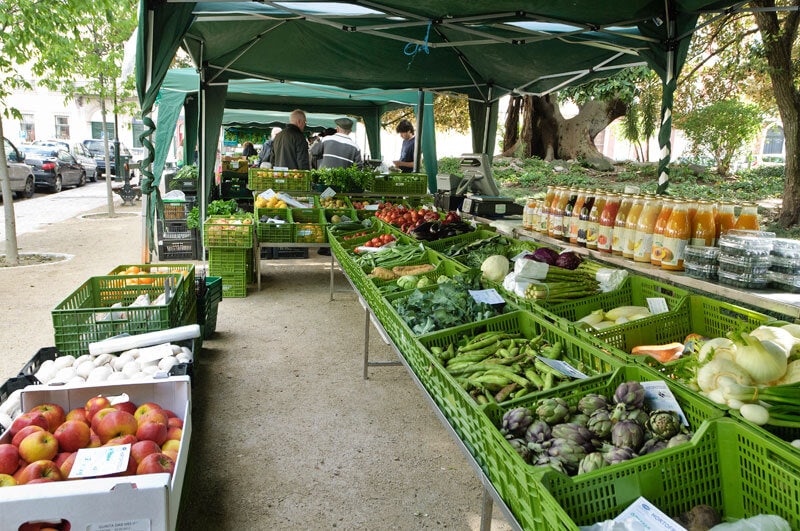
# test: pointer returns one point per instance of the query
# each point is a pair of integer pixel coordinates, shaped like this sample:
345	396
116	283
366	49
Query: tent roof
251	118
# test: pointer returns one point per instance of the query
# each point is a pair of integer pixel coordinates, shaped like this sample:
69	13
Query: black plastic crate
11	385
278	253
188	249
234	190
176	230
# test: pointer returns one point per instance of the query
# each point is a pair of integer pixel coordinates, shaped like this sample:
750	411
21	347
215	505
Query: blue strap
413	49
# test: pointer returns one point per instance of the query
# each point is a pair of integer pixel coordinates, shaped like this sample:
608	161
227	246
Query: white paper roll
118	344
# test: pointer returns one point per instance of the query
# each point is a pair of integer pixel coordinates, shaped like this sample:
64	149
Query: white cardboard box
130	503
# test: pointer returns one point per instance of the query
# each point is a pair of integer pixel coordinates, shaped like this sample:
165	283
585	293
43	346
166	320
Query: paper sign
489	296
371	207
123	525
155	353
266	194
328	192
91	462
658	396
642	514
563	367
657	305
280	168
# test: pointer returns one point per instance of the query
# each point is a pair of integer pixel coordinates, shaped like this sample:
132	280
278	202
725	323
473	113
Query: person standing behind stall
406	162
338	150
248	150
290	147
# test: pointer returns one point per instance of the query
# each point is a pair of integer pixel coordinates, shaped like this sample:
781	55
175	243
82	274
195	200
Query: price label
280	168
92	462
328	192
371	207
642	514
658	396
123	525
657	305
563	367
489	296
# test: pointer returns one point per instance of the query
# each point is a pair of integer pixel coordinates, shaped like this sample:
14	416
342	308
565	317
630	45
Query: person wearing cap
406	162
338	150
290	147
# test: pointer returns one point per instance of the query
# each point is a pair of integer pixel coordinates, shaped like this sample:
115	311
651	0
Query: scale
476	193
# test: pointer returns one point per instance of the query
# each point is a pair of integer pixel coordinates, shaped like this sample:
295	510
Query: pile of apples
45	440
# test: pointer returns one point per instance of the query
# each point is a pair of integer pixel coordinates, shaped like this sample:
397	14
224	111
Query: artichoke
600	423
553	410
631	394
591	403
553	462
538	432
580	418
521	448
575	432
652	445
679	439
614	454
568	451
621	412
593	461
516	421
627	434
664	424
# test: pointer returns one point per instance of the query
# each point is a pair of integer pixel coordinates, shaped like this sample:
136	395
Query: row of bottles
640	227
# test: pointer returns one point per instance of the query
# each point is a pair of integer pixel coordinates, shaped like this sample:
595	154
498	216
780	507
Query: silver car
20	174
79	151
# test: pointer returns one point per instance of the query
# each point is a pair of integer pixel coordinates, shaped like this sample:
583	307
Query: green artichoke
521	448
664	424
593	461
552	462
575	432
600	423
631	394
568	451
627	434
591	403
580	418
622	412
538	432
516	421
553	410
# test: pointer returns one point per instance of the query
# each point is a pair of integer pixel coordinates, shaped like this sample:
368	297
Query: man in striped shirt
338	150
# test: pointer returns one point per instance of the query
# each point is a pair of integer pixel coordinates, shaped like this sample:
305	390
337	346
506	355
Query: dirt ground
287	434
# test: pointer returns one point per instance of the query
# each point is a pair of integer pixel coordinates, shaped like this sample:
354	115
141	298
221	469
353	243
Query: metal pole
418	136
487	120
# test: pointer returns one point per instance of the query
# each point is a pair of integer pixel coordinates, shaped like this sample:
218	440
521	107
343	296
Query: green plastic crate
309	225
234	284
275	232
86	315
223	262
400	183
207	306
349	213
228	231
445	243
186	270
261	179
442	266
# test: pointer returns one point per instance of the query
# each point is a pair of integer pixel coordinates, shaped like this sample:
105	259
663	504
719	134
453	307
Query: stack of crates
229	242
209	295
175	240
233	179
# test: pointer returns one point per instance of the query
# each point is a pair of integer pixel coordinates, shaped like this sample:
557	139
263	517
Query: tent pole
667	97
202	196
487	120
148	83
418	136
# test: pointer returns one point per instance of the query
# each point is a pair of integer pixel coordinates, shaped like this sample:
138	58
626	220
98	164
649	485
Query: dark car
78	151
54	167
97	148
19	174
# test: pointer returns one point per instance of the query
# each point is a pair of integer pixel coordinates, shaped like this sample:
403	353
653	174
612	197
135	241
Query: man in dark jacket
338	150
290	147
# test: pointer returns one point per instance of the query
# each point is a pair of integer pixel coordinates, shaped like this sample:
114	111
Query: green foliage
721	130
623	85
352	179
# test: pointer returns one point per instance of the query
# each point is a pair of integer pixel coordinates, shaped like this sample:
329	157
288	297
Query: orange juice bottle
704	229
593	223
726	218
575	219
583	217
605	231
618	237
676	237
658	231
557	213
691	204
631	220
643	237
748	217
545	209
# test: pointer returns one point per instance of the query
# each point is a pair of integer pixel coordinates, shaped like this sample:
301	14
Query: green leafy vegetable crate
228	231
400	183
275	232
87	316
261	179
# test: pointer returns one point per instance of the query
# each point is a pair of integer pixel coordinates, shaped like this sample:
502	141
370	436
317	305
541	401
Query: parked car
96	148
55	167
78	151
20	174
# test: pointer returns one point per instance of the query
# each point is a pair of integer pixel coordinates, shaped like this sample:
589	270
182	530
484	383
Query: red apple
53	413
93	405
155	415
128	406
61	457
94	440
38	446
72	436
174	434
156	463
7	480
144	448
174	422
66	466
41	480
18	474
116	424
152	431
131	470
122	439
24	432
99	416
171	444
30	418
38	470
79	413
144	408
169	413
172	453
9	458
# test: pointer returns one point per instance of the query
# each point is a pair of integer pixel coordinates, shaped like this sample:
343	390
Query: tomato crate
186	270
272	232
89	313
227	231
400	183
309	225
261	179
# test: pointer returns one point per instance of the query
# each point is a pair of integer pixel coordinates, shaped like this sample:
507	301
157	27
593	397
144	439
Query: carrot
662	353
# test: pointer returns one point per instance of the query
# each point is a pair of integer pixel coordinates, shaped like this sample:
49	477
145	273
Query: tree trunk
109	191
12	251
511	135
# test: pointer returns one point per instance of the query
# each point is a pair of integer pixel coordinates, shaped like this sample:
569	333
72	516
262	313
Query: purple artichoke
679	439
614	454
521	448
580	418
516	421
593	461
600	423
631	394
575	432
591	403
627	434
652	445
553	410
664	424
555	463
621	412
538	432
568	451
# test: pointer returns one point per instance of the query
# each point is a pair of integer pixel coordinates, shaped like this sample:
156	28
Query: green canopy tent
250	118
482	49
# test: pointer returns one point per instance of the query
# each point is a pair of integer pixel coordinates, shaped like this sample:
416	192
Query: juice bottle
583	218
703	227
534	216
676	236
618	236
545	208
526	215
566	221
605	231
593	224
691	205
543	218
575	220
557	212
748	217
631	220
643	237
658	230
726	217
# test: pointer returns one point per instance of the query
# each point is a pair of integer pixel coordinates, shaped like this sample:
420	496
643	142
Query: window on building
773	141
27	128
62	127
138	129
97	130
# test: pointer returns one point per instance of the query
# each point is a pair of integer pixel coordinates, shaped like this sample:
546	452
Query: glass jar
676	237
658	230
593	224
643	237
704	229
618	235
605	231
726	218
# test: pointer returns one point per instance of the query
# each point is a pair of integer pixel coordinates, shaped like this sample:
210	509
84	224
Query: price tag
280	168
155	353
657	305
234	164
642	514
371	207
123	525
91	462
328	192
563	367
489	296
658	396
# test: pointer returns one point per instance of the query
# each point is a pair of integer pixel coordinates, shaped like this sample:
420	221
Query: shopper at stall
406	162
290	147
266	149
338	150
248	150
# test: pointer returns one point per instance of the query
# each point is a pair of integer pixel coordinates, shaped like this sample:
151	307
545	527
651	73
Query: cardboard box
130	503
